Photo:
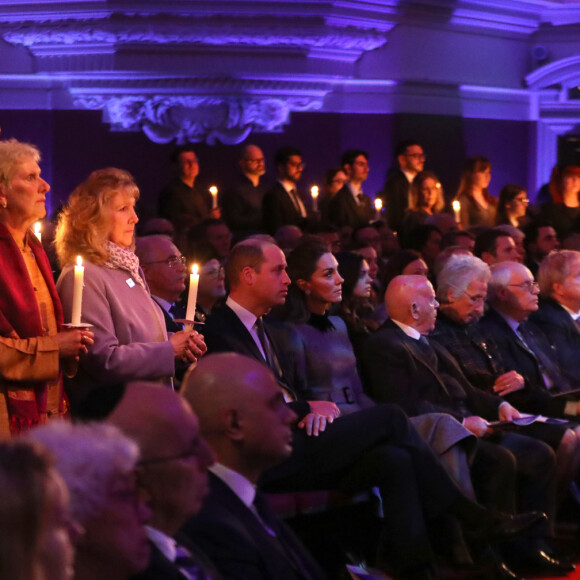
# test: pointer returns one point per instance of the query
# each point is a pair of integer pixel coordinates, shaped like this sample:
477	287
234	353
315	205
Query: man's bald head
241	412
411	300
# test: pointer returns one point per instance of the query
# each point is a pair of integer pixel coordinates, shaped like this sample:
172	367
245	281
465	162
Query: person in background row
512	205
98	465
518	237
131	341
334	180
494	246
478	206
31	315
425	198
36	529
540	240
564	211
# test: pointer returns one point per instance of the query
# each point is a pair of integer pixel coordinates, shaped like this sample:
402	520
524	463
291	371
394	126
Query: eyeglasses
214	273
193	452
261	160
522	199
528	285
297	164
477	299
172	261
416	155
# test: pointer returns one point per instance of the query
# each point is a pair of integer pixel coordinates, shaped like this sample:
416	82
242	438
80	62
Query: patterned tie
187	565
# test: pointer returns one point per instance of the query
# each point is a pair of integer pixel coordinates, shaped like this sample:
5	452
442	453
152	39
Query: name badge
130	282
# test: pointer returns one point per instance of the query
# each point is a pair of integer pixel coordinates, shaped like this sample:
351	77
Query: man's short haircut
284	153
250	253
555	268
486	241
402	146
179	150
457	274
450	238
501	275
349	157
532	230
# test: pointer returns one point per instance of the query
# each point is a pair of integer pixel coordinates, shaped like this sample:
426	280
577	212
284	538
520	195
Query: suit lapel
243	334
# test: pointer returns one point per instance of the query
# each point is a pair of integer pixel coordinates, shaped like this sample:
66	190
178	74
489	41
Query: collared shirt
164	304
164	543
355	192
408	330
289	186
248	320
240	485
574	315
409	176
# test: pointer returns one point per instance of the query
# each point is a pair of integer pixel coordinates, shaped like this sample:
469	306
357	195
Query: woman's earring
3	203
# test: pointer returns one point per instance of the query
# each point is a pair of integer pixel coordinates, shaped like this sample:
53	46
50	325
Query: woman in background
425	198
512	205
478	206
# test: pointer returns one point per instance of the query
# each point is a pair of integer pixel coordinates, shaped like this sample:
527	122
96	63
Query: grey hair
555	268
458	273
89	457
501	275
12	153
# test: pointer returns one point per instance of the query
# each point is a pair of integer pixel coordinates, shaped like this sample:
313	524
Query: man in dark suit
244	418
401	366
172	473
558	314
522	346
351	206
395	193
375	443
283	204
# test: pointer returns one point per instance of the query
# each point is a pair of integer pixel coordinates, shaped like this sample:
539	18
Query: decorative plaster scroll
194	119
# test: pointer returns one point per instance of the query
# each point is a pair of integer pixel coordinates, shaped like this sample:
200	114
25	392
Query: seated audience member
243	417
172	474
426	240
334	180
425	199
288	237
242	200
131	342
328	234
458	238
512	205
165	273
521	345
371	441
443	258
540	240
98	465
31	314
212	235
395	193
559	308
181	202
211	290
461	292
157	227
444	222
36	529
408	262
283	204
351	206
494	246
478	206
401	366
389	240
518	237
564	210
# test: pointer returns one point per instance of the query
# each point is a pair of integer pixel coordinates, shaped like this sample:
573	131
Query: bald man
243	416
172	472
400	365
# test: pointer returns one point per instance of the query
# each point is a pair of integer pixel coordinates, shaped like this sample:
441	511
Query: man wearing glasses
283	204
395	194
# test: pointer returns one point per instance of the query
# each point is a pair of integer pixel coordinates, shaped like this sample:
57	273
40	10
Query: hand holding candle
192	296
314	194
214	196
78	292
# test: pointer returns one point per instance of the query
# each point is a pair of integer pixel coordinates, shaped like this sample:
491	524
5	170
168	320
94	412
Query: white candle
457	210
192	297
314	194
37	231
214	194
78	292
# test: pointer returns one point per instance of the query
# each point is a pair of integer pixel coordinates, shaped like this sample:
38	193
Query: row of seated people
129	342
410	197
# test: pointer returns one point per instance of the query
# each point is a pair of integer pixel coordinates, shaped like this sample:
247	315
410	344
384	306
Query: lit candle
378	204
192	297
314	194
214	194
78	292
37	231
457	210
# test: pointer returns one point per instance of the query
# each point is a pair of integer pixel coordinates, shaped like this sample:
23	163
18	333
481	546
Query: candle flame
456	205
314	191
213	190
194	269
378	204
79	261
37	228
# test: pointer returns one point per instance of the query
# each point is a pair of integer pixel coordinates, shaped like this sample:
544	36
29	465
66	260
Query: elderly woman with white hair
34	345
97	462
